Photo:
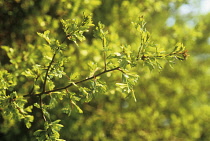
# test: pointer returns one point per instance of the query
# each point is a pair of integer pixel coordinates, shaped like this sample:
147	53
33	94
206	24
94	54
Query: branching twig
183	54
78	82
44	86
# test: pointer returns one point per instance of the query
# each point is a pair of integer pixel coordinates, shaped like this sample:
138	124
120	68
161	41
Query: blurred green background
172	105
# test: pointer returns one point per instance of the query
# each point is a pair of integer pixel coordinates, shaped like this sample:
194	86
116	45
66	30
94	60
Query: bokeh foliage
168	103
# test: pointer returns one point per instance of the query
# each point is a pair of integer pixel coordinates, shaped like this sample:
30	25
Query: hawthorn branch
179	55
78	82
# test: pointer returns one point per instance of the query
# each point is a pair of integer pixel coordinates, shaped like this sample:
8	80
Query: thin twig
139	51
104	46
40	103
43	116
48	69
104	60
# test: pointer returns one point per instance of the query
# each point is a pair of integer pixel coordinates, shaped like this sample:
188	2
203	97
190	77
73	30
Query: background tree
47	76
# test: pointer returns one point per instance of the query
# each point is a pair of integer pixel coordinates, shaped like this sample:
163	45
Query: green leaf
122	85
56	126
28	119
133	95
38	132
67	110
77	107
46	113
46	125
45	35
178	48
36	105
85	92
29	108
7	80
29	73
100	32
